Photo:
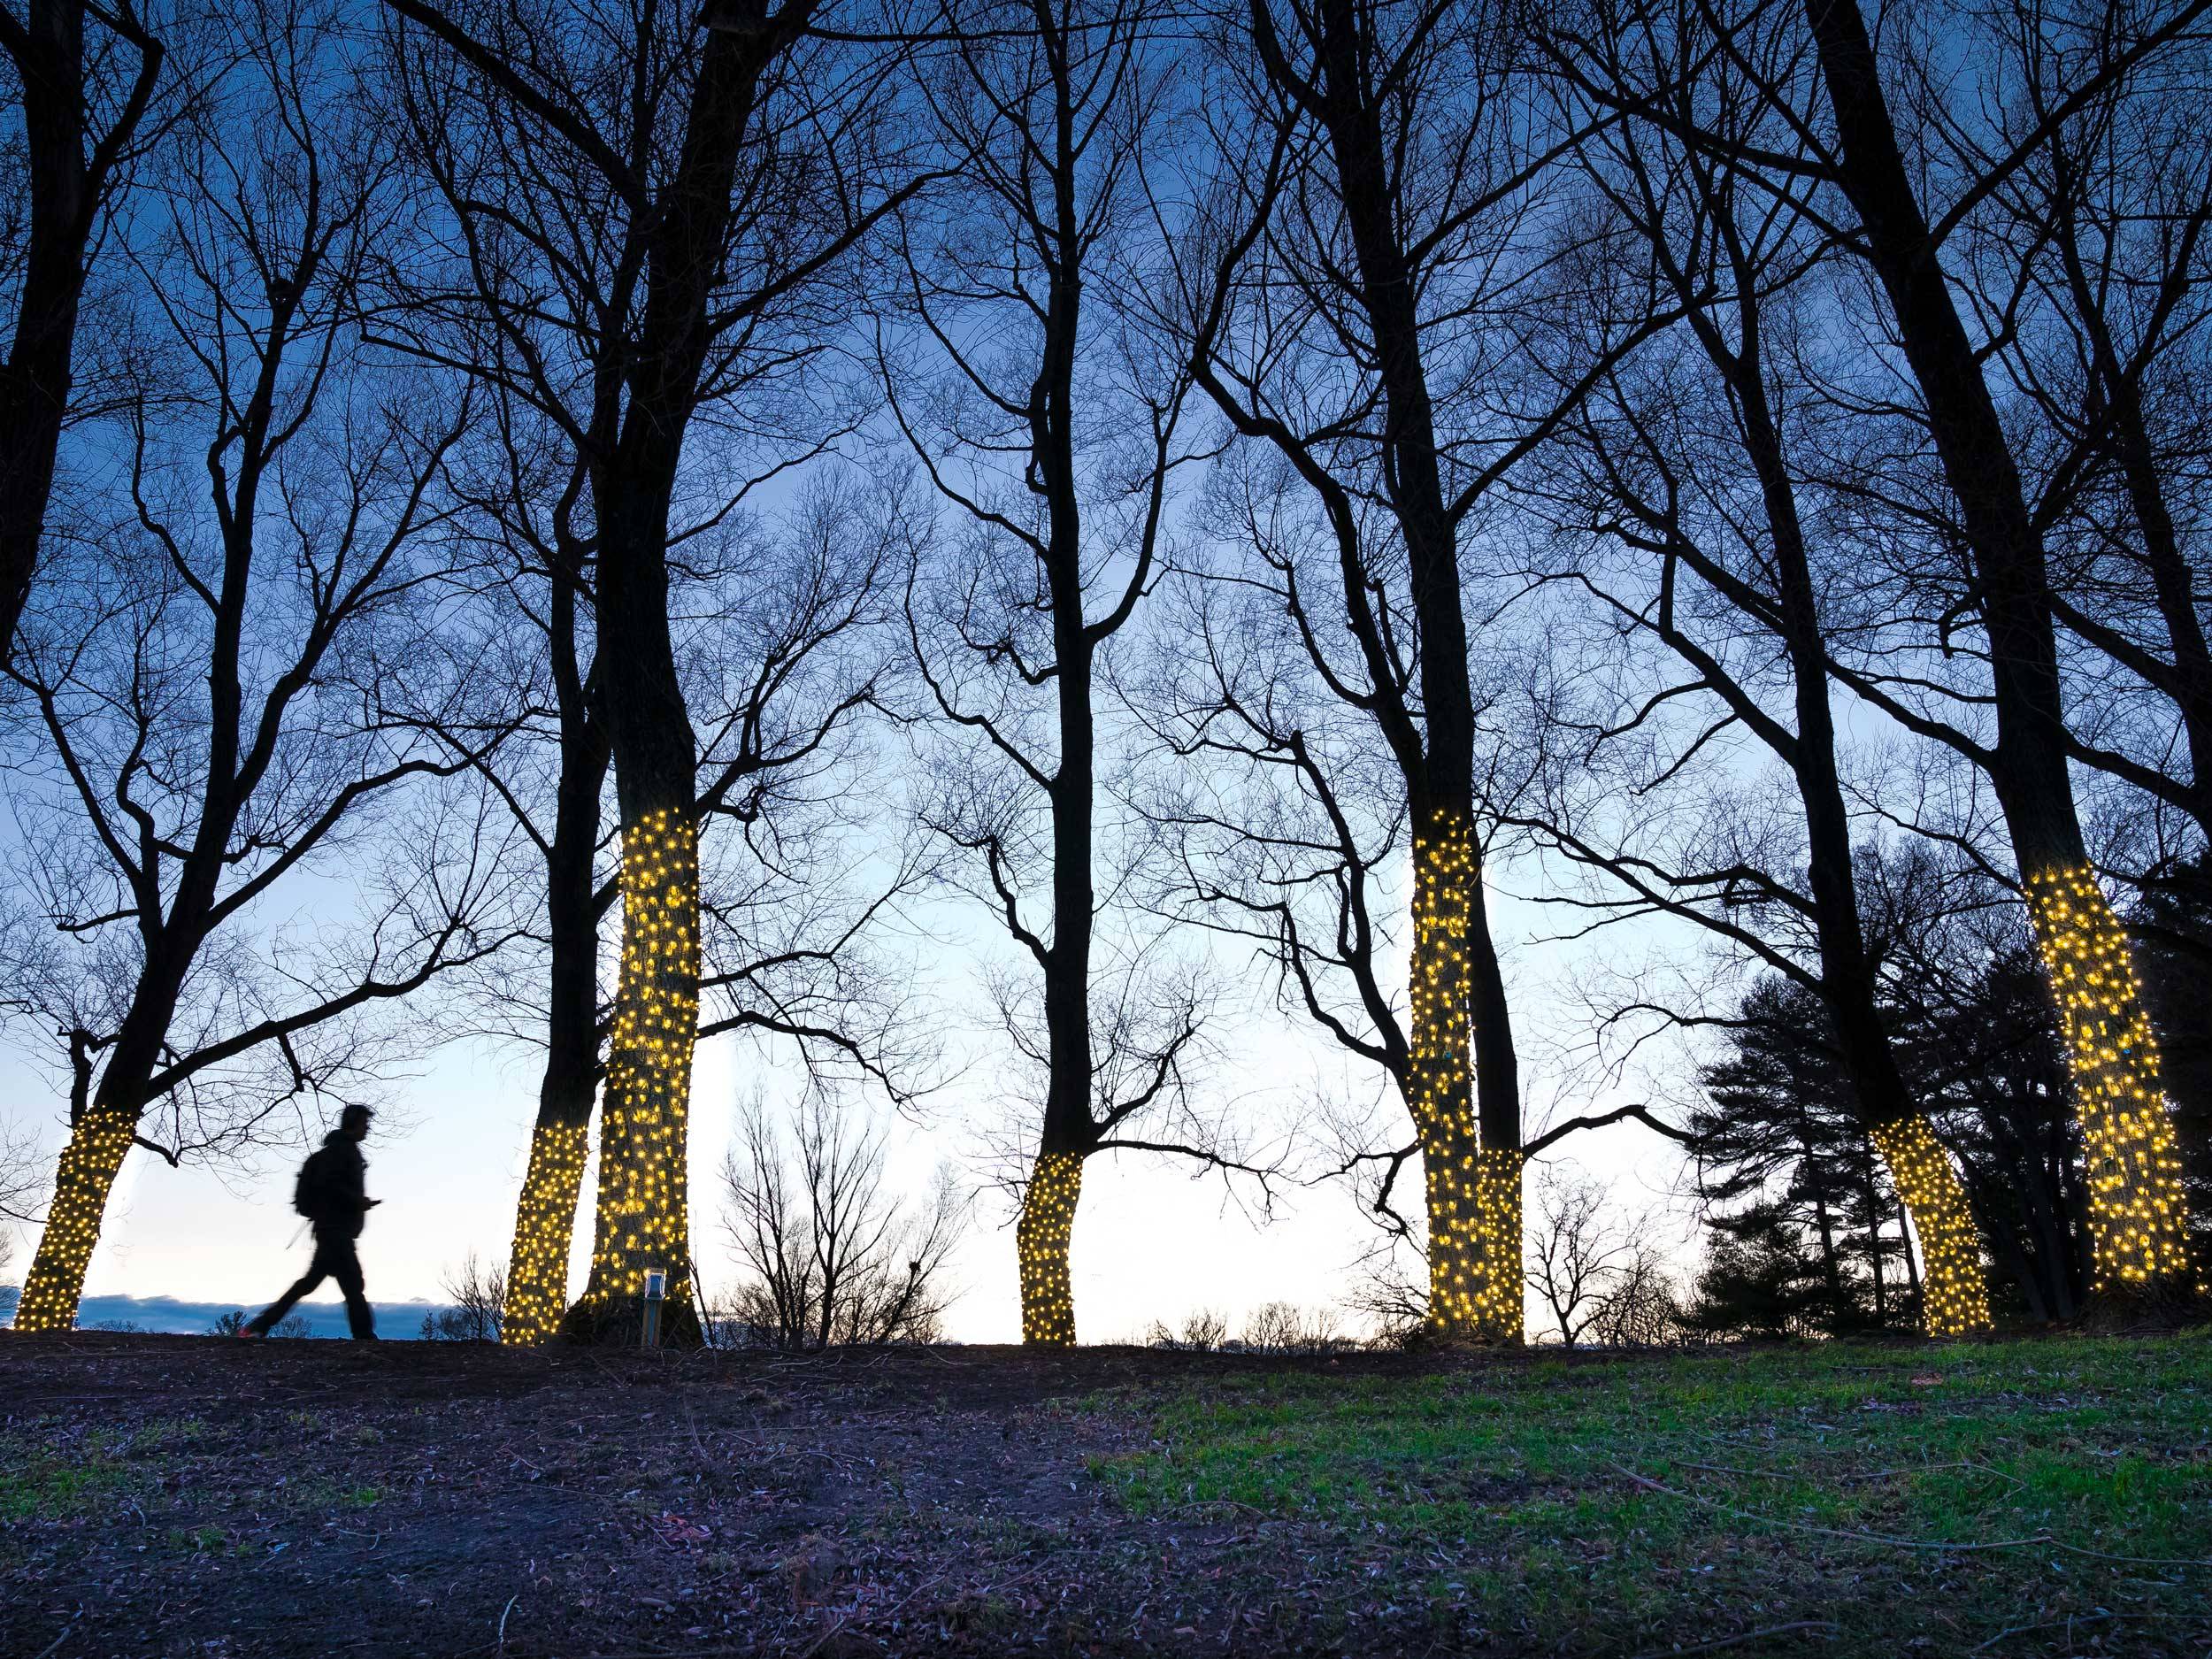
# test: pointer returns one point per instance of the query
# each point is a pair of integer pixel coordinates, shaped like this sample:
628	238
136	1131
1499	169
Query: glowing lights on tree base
96	1151
1955	1295
2139	1219
545	1221
1474	1193
1041	1239
1475	1272
644	1187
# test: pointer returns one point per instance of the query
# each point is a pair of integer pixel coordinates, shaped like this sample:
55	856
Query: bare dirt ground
177	1496
192	1496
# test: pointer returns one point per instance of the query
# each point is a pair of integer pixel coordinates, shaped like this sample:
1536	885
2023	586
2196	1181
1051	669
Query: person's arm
356	1195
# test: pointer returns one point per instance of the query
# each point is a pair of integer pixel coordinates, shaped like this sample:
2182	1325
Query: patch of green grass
314	1494
50	1490
1944	1495
167	1434
54	1474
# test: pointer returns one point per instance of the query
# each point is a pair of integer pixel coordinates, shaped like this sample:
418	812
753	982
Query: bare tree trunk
1830	1268
66	187
2187	676
2174	586
2138	1213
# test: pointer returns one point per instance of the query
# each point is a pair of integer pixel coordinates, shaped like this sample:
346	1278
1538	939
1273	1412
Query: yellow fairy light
2139	1219
1954	1294
644	1176
97	1145
1473	1192
1040	1239
545	1220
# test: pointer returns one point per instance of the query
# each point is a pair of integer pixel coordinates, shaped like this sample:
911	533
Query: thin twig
2048	1623
2072	1619
892	1612
620	1381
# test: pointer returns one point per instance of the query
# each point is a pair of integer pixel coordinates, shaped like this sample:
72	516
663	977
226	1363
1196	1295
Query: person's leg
345	1266
317	1270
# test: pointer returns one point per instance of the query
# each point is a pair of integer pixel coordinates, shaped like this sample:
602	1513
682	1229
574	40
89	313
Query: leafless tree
1679	494
21	1182
785	638
2097	236
1284	1327
1052	427
826	1254
480	1300
521	642
1383	309
2139	1216
1602	1274
1644	1307
1898	191
1203	1331
1898	174
647	208
211	672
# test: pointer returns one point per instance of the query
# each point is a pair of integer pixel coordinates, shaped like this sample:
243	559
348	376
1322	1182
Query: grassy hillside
192	1496
2004	1498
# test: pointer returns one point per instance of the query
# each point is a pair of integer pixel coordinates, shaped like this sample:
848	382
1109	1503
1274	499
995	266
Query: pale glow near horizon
1150	1242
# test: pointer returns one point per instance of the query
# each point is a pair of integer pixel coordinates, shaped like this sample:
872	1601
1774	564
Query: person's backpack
310	1191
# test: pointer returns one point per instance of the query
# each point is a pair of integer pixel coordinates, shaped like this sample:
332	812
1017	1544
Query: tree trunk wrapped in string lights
1955	1297
545	1221
545	1214
642	1220
98	1144
1041	1239
1473	1192
2138	1214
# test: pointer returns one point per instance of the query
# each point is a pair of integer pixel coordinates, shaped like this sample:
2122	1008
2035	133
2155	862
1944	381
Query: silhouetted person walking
332	1193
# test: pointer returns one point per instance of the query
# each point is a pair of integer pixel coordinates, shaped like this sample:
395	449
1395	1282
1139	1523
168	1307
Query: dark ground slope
192	1496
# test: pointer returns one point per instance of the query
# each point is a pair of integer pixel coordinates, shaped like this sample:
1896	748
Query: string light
2139	1219
1473	1192
1040	1239
545	1220
1953	1295
644	1174
96	1148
